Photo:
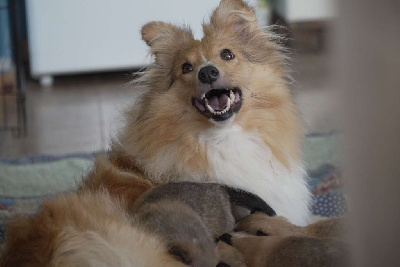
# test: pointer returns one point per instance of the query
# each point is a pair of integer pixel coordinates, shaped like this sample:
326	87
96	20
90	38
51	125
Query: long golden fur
90	229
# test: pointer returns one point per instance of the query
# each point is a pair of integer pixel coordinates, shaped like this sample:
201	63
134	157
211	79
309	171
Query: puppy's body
217	110
287	251
214	203
273	241
335	228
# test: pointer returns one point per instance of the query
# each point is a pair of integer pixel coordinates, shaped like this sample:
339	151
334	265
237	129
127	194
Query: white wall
72	36
306	10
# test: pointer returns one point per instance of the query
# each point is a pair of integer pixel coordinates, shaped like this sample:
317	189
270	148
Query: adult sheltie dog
214	110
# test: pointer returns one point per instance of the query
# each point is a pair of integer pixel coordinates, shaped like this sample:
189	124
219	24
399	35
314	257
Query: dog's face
219	74
208	70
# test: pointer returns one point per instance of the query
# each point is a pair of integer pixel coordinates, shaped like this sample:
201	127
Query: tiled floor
82	113
78	114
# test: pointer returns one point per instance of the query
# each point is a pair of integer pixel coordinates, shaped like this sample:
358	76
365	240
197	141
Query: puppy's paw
261	233
227	238
230	255
260	224
266	210
223	264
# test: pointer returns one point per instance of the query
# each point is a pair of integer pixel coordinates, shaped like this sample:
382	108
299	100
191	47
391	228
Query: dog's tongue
218	102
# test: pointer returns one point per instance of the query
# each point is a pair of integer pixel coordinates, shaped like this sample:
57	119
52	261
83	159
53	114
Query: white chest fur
242	159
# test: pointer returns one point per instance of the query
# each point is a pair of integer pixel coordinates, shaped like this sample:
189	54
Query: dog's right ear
165	39
235	16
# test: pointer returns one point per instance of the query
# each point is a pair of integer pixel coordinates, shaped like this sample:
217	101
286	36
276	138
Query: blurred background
64	65
64	73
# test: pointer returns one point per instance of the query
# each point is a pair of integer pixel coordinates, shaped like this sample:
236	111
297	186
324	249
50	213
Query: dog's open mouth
219	104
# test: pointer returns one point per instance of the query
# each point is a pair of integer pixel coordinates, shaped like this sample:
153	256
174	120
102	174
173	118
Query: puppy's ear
235	16
165	39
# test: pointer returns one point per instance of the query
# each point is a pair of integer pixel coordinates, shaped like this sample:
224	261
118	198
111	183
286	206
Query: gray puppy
189	215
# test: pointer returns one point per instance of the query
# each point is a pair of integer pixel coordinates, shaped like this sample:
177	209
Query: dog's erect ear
233	15
164	39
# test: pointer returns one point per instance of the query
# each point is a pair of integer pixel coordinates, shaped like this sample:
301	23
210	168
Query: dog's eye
186	68
227	54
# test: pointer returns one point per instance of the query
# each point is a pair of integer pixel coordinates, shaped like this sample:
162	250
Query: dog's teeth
204	95
228	104
227	107
232	96
209	107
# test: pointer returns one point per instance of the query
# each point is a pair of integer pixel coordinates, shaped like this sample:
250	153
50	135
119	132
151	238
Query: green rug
38	179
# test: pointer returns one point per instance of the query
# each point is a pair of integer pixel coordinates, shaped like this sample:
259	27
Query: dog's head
234	75
219	74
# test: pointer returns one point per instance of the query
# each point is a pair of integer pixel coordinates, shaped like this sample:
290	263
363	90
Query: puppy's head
186	237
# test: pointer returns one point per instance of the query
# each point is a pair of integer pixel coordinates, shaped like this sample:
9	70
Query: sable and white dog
218	110
215	110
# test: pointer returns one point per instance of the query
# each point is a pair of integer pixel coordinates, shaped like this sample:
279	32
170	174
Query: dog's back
89	229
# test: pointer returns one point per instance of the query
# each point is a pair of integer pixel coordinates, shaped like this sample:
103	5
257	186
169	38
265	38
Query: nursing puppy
215	204
189	215
216	110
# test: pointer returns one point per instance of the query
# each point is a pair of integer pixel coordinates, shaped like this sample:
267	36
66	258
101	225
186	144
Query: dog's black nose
208	74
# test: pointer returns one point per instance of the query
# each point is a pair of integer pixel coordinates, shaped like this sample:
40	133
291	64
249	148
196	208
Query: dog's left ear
235	16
